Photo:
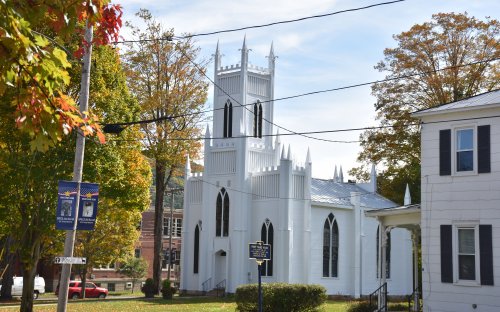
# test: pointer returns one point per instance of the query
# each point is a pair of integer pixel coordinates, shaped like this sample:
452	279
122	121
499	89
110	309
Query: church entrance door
220	268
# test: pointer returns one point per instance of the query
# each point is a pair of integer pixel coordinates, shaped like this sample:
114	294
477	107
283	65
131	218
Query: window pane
465	161
466	241
465	139
466	267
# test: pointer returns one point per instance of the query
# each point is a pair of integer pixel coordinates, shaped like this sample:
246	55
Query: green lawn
175	305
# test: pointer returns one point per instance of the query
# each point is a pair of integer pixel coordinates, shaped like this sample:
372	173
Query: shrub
361	306
148	288
364	306
167	290
280	297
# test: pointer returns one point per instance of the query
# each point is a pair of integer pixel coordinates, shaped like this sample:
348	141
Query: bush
148	288
364	306
167	290
280	297
361	306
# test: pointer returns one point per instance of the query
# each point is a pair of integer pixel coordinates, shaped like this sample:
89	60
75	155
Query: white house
460	207
252	190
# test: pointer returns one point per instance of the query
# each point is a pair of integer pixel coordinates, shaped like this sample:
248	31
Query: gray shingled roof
330	192
489	98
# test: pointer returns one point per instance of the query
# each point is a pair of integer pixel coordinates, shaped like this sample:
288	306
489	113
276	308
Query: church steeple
244	54
217	58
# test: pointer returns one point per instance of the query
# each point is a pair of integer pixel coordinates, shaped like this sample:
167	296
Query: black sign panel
260	251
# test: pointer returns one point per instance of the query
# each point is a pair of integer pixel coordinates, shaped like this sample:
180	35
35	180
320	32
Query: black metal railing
206	285
378	298
221	287
414	301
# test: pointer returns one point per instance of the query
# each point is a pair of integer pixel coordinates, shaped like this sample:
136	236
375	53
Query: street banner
66	205
89	197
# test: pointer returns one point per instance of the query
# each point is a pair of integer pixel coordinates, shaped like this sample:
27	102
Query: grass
178	304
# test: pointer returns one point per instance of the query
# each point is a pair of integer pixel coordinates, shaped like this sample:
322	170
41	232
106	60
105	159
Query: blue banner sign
259	251
89	197
66	205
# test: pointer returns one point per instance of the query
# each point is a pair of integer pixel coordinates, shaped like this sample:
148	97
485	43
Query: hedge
279	297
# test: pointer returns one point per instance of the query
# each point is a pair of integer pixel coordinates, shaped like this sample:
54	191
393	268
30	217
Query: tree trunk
29	272
158	225
7	274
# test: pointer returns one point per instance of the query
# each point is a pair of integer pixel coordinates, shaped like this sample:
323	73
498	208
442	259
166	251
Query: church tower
243	98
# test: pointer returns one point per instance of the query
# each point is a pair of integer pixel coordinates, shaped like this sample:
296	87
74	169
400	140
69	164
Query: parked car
17	286
91	290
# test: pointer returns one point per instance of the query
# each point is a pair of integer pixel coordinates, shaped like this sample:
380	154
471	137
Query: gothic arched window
228	120
257	120
222	214
267	236
387	255
330	247
196	249
260	121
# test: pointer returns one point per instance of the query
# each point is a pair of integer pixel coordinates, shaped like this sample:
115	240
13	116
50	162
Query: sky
313	55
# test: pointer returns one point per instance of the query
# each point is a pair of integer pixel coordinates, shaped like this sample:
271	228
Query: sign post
260	252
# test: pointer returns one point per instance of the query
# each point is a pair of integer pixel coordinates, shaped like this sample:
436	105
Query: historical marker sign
259	251
70	260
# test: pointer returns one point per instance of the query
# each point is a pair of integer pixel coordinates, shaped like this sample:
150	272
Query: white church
251	190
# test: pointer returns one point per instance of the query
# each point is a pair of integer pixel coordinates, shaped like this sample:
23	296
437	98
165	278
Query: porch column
414	237
383	230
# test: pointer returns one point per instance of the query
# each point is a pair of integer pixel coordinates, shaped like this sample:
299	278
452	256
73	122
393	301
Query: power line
331	131
262	25
299	95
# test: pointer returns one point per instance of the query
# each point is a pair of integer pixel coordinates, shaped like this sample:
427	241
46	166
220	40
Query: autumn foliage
34	64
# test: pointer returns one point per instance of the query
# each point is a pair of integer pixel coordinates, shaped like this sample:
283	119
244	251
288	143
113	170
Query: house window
137	253
228	120
111	287
222	214
465	150
466	254
267	236
196	249
387	255
177	227
330	247
469	153
165	261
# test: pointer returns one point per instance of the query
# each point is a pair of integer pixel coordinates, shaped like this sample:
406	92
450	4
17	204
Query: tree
28	195
34	65
123	173
166	83
133	268
452	57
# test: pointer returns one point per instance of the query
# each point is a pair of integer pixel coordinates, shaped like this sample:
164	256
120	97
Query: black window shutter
446	254
483	149
486	254
445	152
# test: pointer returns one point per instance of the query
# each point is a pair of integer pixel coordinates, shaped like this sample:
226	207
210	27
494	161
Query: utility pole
69	242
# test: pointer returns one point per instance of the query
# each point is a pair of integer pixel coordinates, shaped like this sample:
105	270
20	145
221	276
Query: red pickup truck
91	290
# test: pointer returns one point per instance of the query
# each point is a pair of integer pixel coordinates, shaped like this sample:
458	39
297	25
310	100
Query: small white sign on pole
70	260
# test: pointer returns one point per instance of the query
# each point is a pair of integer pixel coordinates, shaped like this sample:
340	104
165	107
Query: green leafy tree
454	56
133	268
166	83
123	173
